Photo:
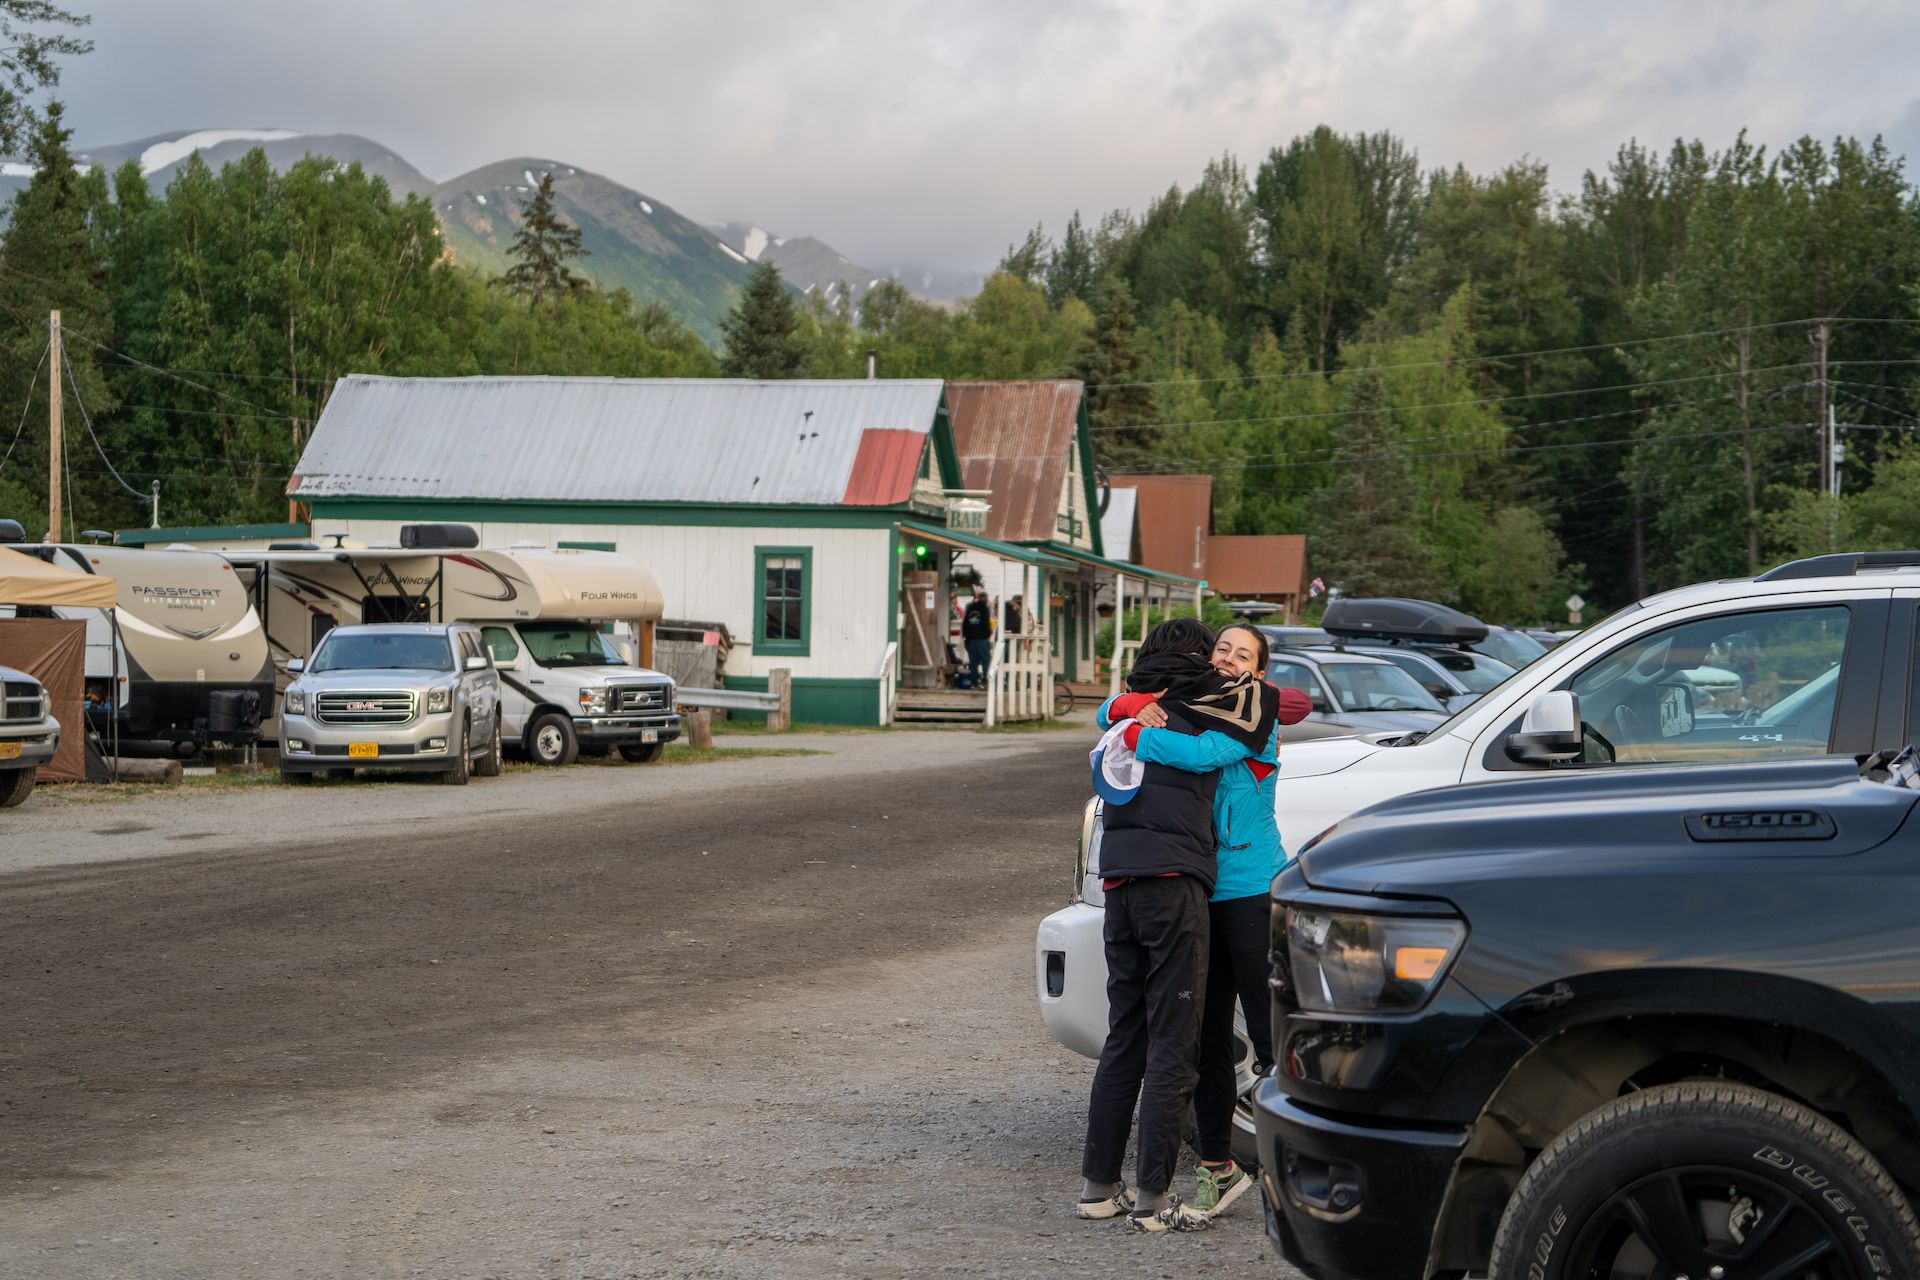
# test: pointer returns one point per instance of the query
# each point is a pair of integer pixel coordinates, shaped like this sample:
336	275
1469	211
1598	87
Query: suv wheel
456	775
1705	1179
642	752
488	765
551	740
15	786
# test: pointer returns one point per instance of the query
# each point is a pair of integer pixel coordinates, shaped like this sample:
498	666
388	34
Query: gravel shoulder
769	1017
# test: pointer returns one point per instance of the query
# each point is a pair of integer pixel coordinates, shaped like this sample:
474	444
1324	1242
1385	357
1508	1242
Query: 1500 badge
1761	824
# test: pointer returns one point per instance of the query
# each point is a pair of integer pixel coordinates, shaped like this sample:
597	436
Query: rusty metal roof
1257	565
1016	442
621	440
1174	514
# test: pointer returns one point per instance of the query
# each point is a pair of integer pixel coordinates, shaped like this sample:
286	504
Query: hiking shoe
1175	1217
1219	1188
1113	1206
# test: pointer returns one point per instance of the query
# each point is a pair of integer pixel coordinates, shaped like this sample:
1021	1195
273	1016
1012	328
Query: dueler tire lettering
1800	1162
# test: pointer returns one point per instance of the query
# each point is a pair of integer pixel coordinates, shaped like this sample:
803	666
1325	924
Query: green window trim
792	648
587	546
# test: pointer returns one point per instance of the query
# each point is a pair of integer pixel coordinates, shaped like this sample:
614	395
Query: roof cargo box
438	537
1402	620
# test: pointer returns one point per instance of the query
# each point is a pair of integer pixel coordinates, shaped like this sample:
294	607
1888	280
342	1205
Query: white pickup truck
1823	654
29	735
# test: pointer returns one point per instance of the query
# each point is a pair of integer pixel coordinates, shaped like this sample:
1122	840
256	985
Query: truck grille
19	701
645	697
389	707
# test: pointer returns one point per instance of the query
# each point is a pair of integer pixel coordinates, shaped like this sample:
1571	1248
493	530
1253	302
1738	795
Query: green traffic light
920	549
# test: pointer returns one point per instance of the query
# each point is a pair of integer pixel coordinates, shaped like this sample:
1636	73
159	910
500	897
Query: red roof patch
884	468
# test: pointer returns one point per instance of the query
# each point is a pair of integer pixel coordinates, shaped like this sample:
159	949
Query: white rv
182	646
565	687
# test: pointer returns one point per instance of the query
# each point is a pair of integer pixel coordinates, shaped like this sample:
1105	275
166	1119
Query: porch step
940	706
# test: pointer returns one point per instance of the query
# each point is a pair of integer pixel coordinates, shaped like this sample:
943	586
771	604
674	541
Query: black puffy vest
1166	828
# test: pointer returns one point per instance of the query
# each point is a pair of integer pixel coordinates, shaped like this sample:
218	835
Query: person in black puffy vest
1157	865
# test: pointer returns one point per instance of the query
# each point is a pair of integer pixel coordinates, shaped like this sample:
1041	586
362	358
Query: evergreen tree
1028	259
542	248
1070	271
1120	407
761	335
27	61
1367	539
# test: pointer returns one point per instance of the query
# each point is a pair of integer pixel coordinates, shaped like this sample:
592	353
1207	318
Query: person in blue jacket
1250	855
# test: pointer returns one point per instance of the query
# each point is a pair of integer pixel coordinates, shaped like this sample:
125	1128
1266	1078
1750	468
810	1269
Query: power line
213	391
88	420
26	408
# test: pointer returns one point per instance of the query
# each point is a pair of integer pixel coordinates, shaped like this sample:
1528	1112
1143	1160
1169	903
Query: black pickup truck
1659	1023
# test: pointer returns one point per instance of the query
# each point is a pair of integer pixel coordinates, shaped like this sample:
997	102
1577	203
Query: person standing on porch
1016	623
976	631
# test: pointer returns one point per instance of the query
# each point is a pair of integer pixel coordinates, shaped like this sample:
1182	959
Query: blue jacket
1247	833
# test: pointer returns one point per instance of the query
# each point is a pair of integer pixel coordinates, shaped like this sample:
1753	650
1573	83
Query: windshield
1474	670
1371	686
568	644
351	650
1515	648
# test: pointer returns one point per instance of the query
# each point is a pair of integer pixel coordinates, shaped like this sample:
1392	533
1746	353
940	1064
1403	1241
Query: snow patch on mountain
161	154
647	207
756	243
11	170
731	251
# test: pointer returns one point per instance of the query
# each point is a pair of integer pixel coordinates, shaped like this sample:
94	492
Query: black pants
979	654
1156	936
1236	966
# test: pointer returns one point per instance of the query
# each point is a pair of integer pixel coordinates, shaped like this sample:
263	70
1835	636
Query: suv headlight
1344	963
295	702
593	702
439	700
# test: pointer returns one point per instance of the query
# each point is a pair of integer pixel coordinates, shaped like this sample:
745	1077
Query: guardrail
728	699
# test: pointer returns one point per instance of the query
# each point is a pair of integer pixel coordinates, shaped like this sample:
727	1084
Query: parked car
1456	677
1353	693
1710	1068
29	735
1279	637
567	692
1510	645
420	696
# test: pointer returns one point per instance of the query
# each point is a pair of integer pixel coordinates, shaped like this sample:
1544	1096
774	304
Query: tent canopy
25	580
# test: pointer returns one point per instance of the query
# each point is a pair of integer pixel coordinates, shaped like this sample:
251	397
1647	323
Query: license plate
649	735
9	751
363	751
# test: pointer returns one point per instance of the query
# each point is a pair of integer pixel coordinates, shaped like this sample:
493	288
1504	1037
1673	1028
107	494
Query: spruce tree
542	247
1028	259
1366	539
1070	271
1120	406
761	335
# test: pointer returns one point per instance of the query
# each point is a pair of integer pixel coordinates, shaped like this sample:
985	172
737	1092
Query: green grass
1033	726
733	728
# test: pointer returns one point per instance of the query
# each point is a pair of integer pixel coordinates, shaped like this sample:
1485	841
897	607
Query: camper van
182	647
566	689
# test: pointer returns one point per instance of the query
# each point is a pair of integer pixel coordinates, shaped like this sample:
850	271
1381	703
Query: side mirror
508	664
1550	731
296	665
476	663
1676	710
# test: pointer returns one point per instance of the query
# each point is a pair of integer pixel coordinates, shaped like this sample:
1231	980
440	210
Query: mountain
633	241
805	263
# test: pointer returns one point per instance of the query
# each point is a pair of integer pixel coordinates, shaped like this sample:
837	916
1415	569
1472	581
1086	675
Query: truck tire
488	765
456	774
642	752
551	740
15	786
1705	1178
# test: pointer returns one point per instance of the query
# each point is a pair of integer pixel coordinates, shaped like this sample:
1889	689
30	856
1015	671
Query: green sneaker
1219	1188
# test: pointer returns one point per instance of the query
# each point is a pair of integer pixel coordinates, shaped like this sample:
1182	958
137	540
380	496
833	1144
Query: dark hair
1179	635
1259	640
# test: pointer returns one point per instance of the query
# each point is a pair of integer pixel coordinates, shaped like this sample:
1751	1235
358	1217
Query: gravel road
754	1018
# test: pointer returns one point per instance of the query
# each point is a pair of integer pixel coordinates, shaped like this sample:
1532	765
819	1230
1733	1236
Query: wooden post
645	656
700	729
780	682
55	529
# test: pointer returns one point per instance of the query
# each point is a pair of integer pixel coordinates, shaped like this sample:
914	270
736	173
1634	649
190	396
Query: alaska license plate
649	735
363	751
9	751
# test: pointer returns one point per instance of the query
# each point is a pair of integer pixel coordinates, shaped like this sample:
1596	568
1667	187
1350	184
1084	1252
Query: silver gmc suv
393	696
29	734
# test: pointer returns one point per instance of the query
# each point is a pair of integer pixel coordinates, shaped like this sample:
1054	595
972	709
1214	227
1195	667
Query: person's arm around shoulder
1127	706
1191	753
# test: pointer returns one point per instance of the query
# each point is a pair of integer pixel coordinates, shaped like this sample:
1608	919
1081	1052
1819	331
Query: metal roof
1118	532
1016	441
1005	550
1175	513
1273	564
621	440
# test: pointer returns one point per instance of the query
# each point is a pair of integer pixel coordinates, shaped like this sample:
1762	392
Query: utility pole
1826	408
53	431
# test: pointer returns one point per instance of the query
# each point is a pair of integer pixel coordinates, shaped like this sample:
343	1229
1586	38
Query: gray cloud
939	132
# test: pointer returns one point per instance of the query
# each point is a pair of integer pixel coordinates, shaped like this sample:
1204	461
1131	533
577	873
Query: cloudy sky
913	131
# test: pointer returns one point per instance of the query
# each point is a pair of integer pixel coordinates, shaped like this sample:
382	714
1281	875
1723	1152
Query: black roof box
10	531
1402	619
437	537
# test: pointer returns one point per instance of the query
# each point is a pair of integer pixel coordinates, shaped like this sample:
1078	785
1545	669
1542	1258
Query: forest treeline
1461	386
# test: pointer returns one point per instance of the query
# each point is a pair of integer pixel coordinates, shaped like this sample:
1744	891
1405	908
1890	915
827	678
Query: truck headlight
439	700
593	702
1346	963
296	701
46	703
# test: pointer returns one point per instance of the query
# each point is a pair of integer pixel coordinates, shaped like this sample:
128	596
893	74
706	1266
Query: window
1376	686
1740	686
1429	679
500	640
782	599
568	644
1296	675
322	623
469	647
587	546
383	651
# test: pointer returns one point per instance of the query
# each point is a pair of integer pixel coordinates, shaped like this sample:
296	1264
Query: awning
1005	550
1121	566
25	580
